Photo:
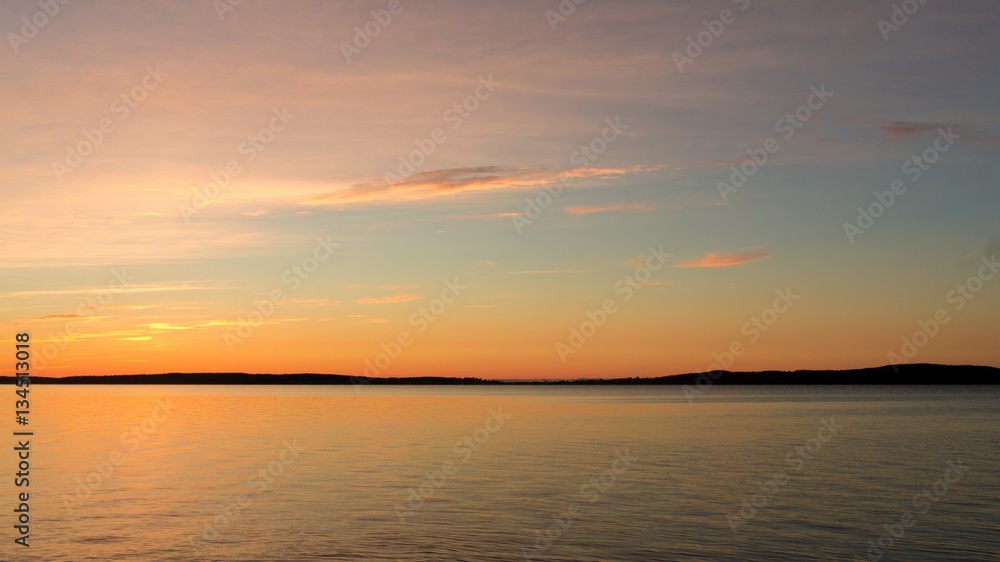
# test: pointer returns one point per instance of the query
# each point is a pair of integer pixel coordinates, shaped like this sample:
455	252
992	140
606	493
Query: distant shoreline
909	374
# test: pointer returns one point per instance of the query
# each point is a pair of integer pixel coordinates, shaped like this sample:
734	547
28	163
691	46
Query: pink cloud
729	259
436	183
586	210
389	299
496	216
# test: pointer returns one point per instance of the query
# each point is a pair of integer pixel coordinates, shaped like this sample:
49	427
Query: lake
509	473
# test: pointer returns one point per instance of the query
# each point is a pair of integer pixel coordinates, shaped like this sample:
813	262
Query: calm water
258	473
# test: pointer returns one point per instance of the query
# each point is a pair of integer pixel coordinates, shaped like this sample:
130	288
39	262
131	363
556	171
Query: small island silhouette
908	374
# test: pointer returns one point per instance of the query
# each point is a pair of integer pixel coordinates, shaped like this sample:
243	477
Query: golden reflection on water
233	473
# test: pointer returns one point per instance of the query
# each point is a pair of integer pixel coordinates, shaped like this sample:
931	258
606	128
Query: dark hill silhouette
918	373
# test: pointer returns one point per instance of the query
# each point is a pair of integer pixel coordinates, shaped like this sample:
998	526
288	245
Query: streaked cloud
907	128
493	216
586	210
389	299
544	271
132	288
436	183
58	316
729	259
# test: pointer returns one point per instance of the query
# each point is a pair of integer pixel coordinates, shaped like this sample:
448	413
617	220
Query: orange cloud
637	261
496	216
54	316
391	299
586	210
544	271
436	183
730	259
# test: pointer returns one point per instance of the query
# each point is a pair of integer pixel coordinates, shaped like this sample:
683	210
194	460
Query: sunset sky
309	117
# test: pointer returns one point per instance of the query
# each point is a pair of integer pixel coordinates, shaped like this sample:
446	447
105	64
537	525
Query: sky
503	190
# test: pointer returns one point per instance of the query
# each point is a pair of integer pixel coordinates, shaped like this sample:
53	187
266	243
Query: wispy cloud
182	286
57	316
436	183
729	259
544	271
968	133
637	261
389	299
161	326
586	210
494	216
909	128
